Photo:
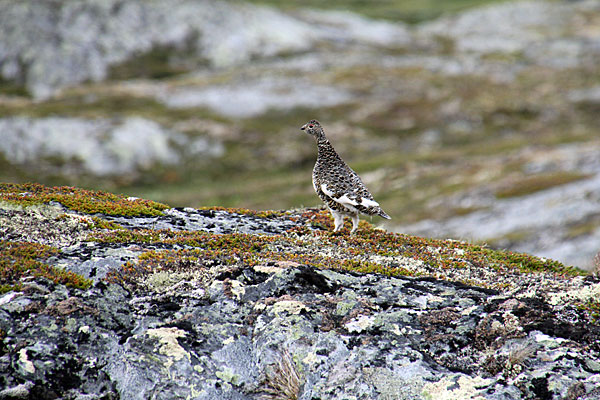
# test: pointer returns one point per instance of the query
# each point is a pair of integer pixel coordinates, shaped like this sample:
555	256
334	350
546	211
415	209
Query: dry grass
516	360
282	380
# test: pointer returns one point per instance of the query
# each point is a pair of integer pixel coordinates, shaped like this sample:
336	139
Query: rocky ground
478	125
107	297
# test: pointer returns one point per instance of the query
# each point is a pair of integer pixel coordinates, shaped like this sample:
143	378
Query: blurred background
467	119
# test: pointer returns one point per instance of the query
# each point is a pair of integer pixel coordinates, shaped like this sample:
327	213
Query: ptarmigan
337	184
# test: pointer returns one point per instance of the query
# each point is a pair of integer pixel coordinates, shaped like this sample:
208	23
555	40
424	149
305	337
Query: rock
45	225
586	96
339	26
99	147
213	221
17	392
505	75
63	48
540	33
483	30
255	97
543	218
223	326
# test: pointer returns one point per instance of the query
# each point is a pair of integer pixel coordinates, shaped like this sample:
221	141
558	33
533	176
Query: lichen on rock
287	310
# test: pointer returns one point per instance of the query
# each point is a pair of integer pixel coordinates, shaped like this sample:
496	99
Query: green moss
583	228
99	223
450	253
535	183
12	88
86	201
369	250
510	238
103	102
592	306
339	251
21	259
411	11
231	242
158	63
500	259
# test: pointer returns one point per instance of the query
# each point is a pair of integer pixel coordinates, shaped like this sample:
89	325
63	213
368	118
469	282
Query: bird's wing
348	190
337	196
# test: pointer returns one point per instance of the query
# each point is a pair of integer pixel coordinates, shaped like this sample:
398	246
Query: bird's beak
303	127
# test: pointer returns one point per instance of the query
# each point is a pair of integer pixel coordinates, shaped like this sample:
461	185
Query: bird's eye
310	126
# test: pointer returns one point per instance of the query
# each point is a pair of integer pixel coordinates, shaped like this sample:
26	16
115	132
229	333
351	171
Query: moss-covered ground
85	201
19	260
310	242
369	250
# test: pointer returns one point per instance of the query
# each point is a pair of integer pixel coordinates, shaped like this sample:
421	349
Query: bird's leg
338	220
354	222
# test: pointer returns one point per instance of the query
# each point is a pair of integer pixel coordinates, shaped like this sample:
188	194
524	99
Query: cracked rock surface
240	330
478	125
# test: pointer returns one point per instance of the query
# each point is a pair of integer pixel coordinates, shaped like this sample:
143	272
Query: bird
340	188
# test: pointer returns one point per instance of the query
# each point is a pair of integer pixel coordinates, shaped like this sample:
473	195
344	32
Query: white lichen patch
549	341
469	310
408	263
237	289
172	282
24	363
48	224
168	344
85	329
310	359
583	294
289	306
5	205
434	250
280	265
424	300
450	388
266	269
160	280
360	324
7	298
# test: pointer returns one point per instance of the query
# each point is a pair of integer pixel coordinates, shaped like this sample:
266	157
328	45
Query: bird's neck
323	143
326	150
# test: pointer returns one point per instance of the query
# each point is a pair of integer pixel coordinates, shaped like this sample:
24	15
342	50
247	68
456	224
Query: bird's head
313	127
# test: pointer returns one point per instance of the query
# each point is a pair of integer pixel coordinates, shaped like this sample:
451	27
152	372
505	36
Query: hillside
113	297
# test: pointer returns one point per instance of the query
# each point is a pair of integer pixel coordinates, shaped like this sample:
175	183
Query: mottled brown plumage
340	188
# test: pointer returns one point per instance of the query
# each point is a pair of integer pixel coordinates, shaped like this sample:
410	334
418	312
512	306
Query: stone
219	33
99	147
241	331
